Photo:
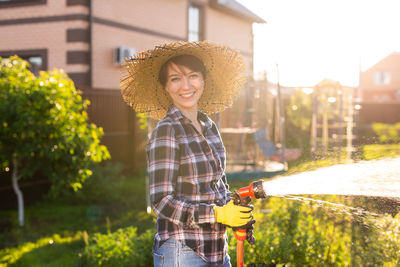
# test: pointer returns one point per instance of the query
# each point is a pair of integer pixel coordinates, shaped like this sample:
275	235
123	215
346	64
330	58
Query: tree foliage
298	121
44	126
299	111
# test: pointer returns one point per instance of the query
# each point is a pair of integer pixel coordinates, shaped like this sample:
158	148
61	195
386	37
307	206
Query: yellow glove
233	215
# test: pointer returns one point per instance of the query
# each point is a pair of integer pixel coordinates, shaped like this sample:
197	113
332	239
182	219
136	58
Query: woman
181	83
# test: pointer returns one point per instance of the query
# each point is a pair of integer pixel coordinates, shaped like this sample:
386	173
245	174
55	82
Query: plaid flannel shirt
187	178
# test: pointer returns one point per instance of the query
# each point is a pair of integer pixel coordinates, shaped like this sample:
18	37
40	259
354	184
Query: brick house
88	38
379	91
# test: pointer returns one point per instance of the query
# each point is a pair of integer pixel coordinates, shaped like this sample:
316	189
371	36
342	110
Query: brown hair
189	61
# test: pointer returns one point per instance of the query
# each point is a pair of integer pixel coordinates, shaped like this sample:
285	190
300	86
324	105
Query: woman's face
184	86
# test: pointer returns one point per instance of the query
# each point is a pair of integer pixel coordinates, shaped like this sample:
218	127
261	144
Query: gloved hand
233	215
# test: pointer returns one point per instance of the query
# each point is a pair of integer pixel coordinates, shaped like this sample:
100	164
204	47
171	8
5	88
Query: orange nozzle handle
240	237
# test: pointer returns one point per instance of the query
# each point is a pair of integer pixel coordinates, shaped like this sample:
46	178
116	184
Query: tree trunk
18	192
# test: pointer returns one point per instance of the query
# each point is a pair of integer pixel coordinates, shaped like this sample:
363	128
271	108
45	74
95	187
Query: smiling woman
186	157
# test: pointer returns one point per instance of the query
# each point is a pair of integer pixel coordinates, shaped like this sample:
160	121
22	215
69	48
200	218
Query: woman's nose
186	83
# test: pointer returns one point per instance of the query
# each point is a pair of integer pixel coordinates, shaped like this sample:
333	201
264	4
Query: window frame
382	77
28	53
20	3
200	30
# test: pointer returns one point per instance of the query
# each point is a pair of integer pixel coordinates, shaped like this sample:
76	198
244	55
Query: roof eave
235	9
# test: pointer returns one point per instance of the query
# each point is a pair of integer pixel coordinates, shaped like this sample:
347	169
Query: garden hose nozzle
254	190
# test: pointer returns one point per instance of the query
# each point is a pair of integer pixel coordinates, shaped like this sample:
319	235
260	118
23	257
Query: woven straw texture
142	90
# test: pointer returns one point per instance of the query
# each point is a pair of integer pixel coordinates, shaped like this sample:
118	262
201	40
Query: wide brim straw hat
142	90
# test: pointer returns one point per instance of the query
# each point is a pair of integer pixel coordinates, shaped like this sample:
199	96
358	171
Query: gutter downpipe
91	43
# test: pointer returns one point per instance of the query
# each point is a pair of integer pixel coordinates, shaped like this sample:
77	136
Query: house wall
109	32
62	28
380	103
231	31
44	27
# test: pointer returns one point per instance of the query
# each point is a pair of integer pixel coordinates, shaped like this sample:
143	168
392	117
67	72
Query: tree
298	120
44	127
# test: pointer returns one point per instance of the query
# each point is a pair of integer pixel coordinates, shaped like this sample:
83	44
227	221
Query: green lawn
379	151
53	231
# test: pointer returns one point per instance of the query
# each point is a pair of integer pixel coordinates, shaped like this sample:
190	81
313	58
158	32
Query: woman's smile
188	95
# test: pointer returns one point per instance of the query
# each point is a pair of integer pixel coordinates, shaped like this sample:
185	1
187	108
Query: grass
53	232
49	251
378	151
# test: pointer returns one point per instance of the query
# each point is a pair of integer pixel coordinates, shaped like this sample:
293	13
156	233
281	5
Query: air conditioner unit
122	52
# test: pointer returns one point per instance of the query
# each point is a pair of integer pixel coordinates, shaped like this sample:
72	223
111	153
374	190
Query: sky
309	40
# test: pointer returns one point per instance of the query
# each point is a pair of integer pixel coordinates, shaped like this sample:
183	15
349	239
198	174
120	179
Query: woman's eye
194	76
175	79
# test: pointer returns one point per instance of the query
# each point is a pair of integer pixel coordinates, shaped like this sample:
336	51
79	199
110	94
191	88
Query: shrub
387	133
296	232
121	248
44	127
307	233
104	185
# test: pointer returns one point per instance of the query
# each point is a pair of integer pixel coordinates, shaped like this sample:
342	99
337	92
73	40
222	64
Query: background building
380	91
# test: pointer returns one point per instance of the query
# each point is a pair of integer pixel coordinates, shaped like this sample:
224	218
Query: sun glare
312	39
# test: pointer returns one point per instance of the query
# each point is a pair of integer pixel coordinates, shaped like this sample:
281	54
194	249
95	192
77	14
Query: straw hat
142	90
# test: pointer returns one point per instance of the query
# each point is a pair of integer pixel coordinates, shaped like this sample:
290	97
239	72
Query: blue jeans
175	254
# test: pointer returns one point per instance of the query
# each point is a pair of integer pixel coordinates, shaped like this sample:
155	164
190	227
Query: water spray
243	197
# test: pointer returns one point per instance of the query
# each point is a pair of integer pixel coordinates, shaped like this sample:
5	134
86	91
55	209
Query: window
382	78
36	64
36	58
397	95
194	23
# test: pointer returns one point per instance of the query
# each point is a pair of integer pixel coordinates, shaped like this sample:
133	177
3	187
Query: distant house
381	83
89	39
379	91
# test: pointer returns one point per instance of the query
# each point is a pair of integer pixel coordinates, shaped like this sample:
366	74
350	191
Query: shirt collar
177	115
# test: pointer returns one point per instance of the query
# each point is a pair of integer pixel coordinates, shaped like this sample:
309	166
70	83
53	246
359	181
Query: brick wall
237	33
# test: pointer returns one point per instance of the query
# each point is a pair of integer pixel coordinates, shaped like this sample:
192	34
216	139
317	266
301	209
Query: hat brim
142	90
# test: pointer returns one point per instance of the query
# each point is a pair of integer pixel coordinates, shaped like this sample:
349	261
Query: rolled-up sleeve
163	159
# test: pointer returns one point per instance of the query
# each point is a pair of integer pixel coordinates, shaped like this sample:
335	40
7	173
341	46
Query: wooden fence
122	135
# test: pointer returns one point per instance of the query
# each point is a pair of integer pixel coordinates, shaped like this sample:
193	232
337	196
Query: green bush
44	127
104	185
291	235
387	133
296	232
307	233
121	248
